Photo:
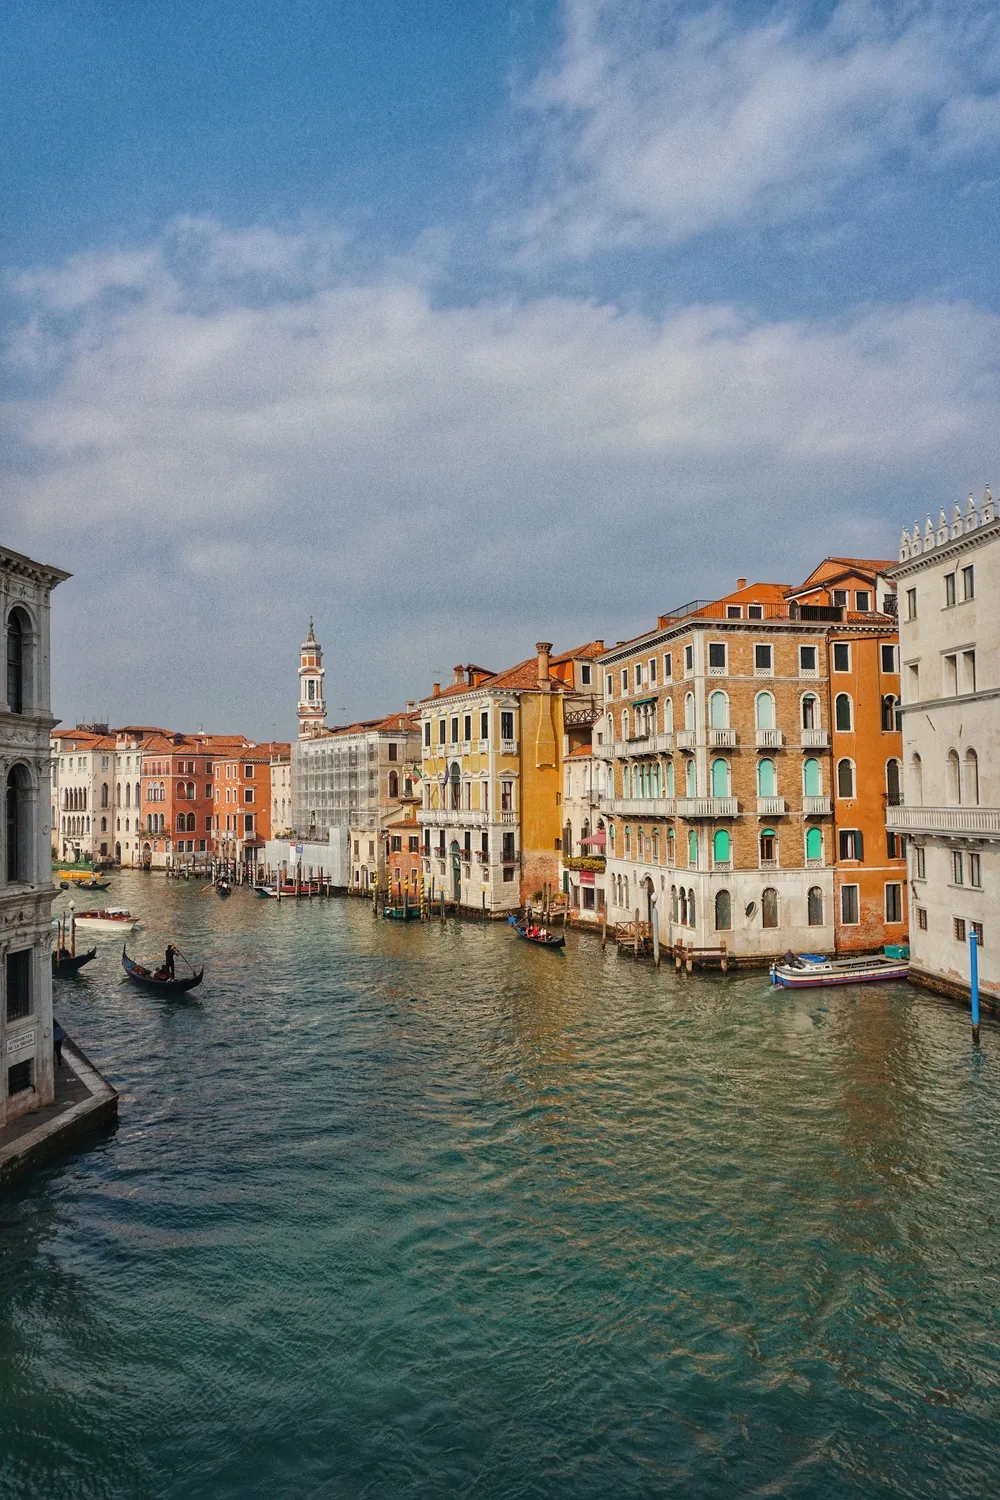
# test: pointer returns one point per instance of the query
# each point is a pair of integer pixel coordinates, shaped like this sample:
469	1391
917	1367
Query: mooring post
654	921
484	903
72	932
974	983
604	927
635	945
442	903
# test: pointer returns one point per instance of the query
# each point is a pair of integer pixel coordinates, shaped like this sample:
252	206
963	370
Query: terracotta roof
588	652
399	723
581	751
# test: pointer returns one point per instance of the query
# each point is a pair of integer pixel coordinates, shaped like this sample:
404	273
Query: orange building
403	861
177	800
866	746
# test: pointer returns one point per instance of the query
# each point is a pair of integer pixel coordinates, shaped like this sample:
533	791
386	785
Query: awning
599	839
641	702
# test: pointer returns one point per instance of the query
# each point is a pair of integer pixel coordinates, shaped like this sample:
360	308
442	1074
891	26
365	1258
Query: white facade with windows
949	627
26	1061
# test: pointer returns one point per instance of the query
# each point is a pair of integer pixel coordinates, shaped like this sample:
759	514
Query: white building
949	630
83	787
281	795
26	891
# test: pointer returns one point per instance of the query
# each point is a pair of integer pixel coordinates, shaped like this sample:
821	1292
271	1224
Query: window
763	661
893	784
414	843
958	927
720	778
507	852
890	714
15	661
721	847
814	906
949	589
248	822
894	902
950	678
484	724
396	844
890	658
690	779
723	911
208	823
911	604
975	871
609	684
977	928
248	794
668	666
952	779
18	966
585	675
814	846
811	778
718	711
913	681
734	611
767	781
755	611
716	657
922	918
393	784
844	713
764	709
506	796
689	710
841	656
862	600
957	867
507	724
968	582
852	844
970	779
850	906
454	729
688	660
19	1077
442	731
769	907
624	677
637	673
247	772
919	862
967	679
427	734
840	598
393	748
807	661
16	824
768	847
810	711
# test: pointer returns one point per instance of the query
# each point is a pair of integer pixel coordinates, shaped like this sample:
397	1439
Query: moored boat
532	933
809	971
223	887
154	979
110	919
65	962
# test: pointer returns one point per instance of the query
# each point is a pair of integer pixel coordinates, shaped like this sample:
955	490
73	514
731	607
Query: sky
462	324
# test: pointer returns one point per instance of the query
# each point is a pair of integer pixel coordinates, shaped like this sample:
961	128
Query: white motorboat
807	971
110	919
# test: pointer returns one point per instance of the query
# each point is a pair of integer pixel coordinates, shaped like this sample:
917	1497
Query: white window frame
763	671
836	646
722	671
856	921
896	885
812	671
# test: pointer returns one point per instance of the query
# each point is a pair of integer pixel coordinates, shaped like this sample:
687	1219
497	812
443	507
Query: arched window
810	711
191	793
691	908
118	793
668	715
105	794
720	847
567	839
765	710
17	833
890	720
893	784
628	841
693	848
768	842
181	822
814	904
671	860
970	778
656	846
118	825
138	795
192	823
690	778
673	904
408	792
668	779
611	838
104	825
814	845
682	907
393	784
723	911
456	785
769	907
625	892
916	788
811	778
689	710
952	778
844	712
767	781
720	778
18	628
718	711
624	723
845	778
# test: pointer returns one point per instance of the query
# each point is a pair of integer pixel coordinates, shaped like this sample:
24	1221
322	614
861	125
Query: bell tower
312	708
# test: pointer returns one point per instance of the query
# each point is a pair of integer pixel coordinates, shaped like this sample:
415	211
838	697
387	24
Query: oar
186	959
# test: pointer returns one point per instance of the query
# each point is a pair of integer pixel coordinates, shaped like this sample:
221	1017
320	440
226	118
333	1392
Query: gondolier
168	962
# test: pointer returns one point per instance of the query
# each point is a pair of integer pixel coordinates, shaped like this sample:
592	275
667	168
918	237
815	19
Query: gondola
64	962
222	887
147	980
549	940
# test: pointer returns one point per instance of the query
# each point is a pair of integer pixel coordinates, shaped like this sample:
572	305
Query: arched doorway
118	854
456	871
147	856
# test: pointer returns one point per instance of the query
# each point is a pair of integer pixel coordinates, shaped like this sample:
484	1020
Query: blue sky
461	325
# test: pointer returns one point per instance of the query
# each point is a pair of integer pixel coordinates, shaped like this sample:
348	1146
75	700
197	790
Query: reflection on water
409	1212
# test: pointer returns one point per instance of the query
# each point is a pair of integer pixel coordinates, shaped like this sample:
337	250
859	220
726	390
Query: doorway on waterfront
456	871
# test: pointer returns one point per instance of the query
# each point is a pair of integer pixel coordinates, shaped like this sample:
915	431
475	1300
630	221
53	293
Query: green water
416	1212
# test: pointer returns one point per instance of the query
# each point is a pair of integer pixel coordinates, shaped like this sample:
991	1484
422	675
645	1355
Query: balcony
506	816
638	807
722	739
771	807
508	747
686	739
707	807
815	739
452	817
483	747
812	806
770	739
983	822
604	752
663	744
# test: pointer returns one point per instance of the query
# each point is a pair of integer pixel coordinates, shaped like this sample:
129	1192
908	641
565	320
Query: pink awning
598	839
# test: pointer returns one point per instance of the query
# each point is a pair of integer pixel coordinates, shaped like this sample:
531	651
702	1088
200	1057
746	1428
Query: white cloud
664	121
444	482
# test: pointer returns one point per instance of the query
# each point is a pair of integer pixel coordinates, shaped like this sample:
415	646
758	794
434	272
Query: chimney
599	644
410	705
458	675
437	690
741	583
543	648
470	676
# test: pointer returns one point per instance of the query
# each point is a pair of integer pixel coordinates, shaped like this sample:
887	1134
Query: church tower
312	709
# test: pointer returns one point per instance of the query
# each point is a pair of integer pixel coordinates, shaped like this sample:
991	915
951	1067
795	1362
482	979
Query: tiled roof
581	752
588	652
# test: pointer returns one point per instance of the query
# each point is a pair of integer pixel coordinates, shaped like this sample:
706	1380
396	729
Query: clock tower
312	709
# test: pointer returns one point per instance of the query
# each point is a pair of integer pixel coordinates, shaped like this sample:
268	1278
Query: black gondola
223	887
548	940
149	981
64	962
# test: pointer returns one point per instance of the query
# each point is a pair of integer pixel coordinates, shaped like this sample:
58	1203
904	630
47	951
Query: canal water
418	1212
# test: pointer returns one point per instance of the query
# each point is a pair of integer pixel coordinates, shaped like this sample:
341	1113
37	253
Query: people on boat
167	971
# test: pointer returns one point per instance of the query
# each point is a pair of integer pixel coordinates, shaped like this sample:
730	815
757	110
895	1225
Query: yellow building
491	776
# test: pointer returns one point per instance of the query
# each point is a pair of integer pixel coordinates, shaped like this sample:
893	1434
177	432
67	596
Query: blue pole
974	984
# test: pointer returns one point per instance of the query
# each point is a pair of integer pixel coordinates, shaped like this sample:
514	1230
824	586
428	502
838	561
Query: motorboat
810	970
110	919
